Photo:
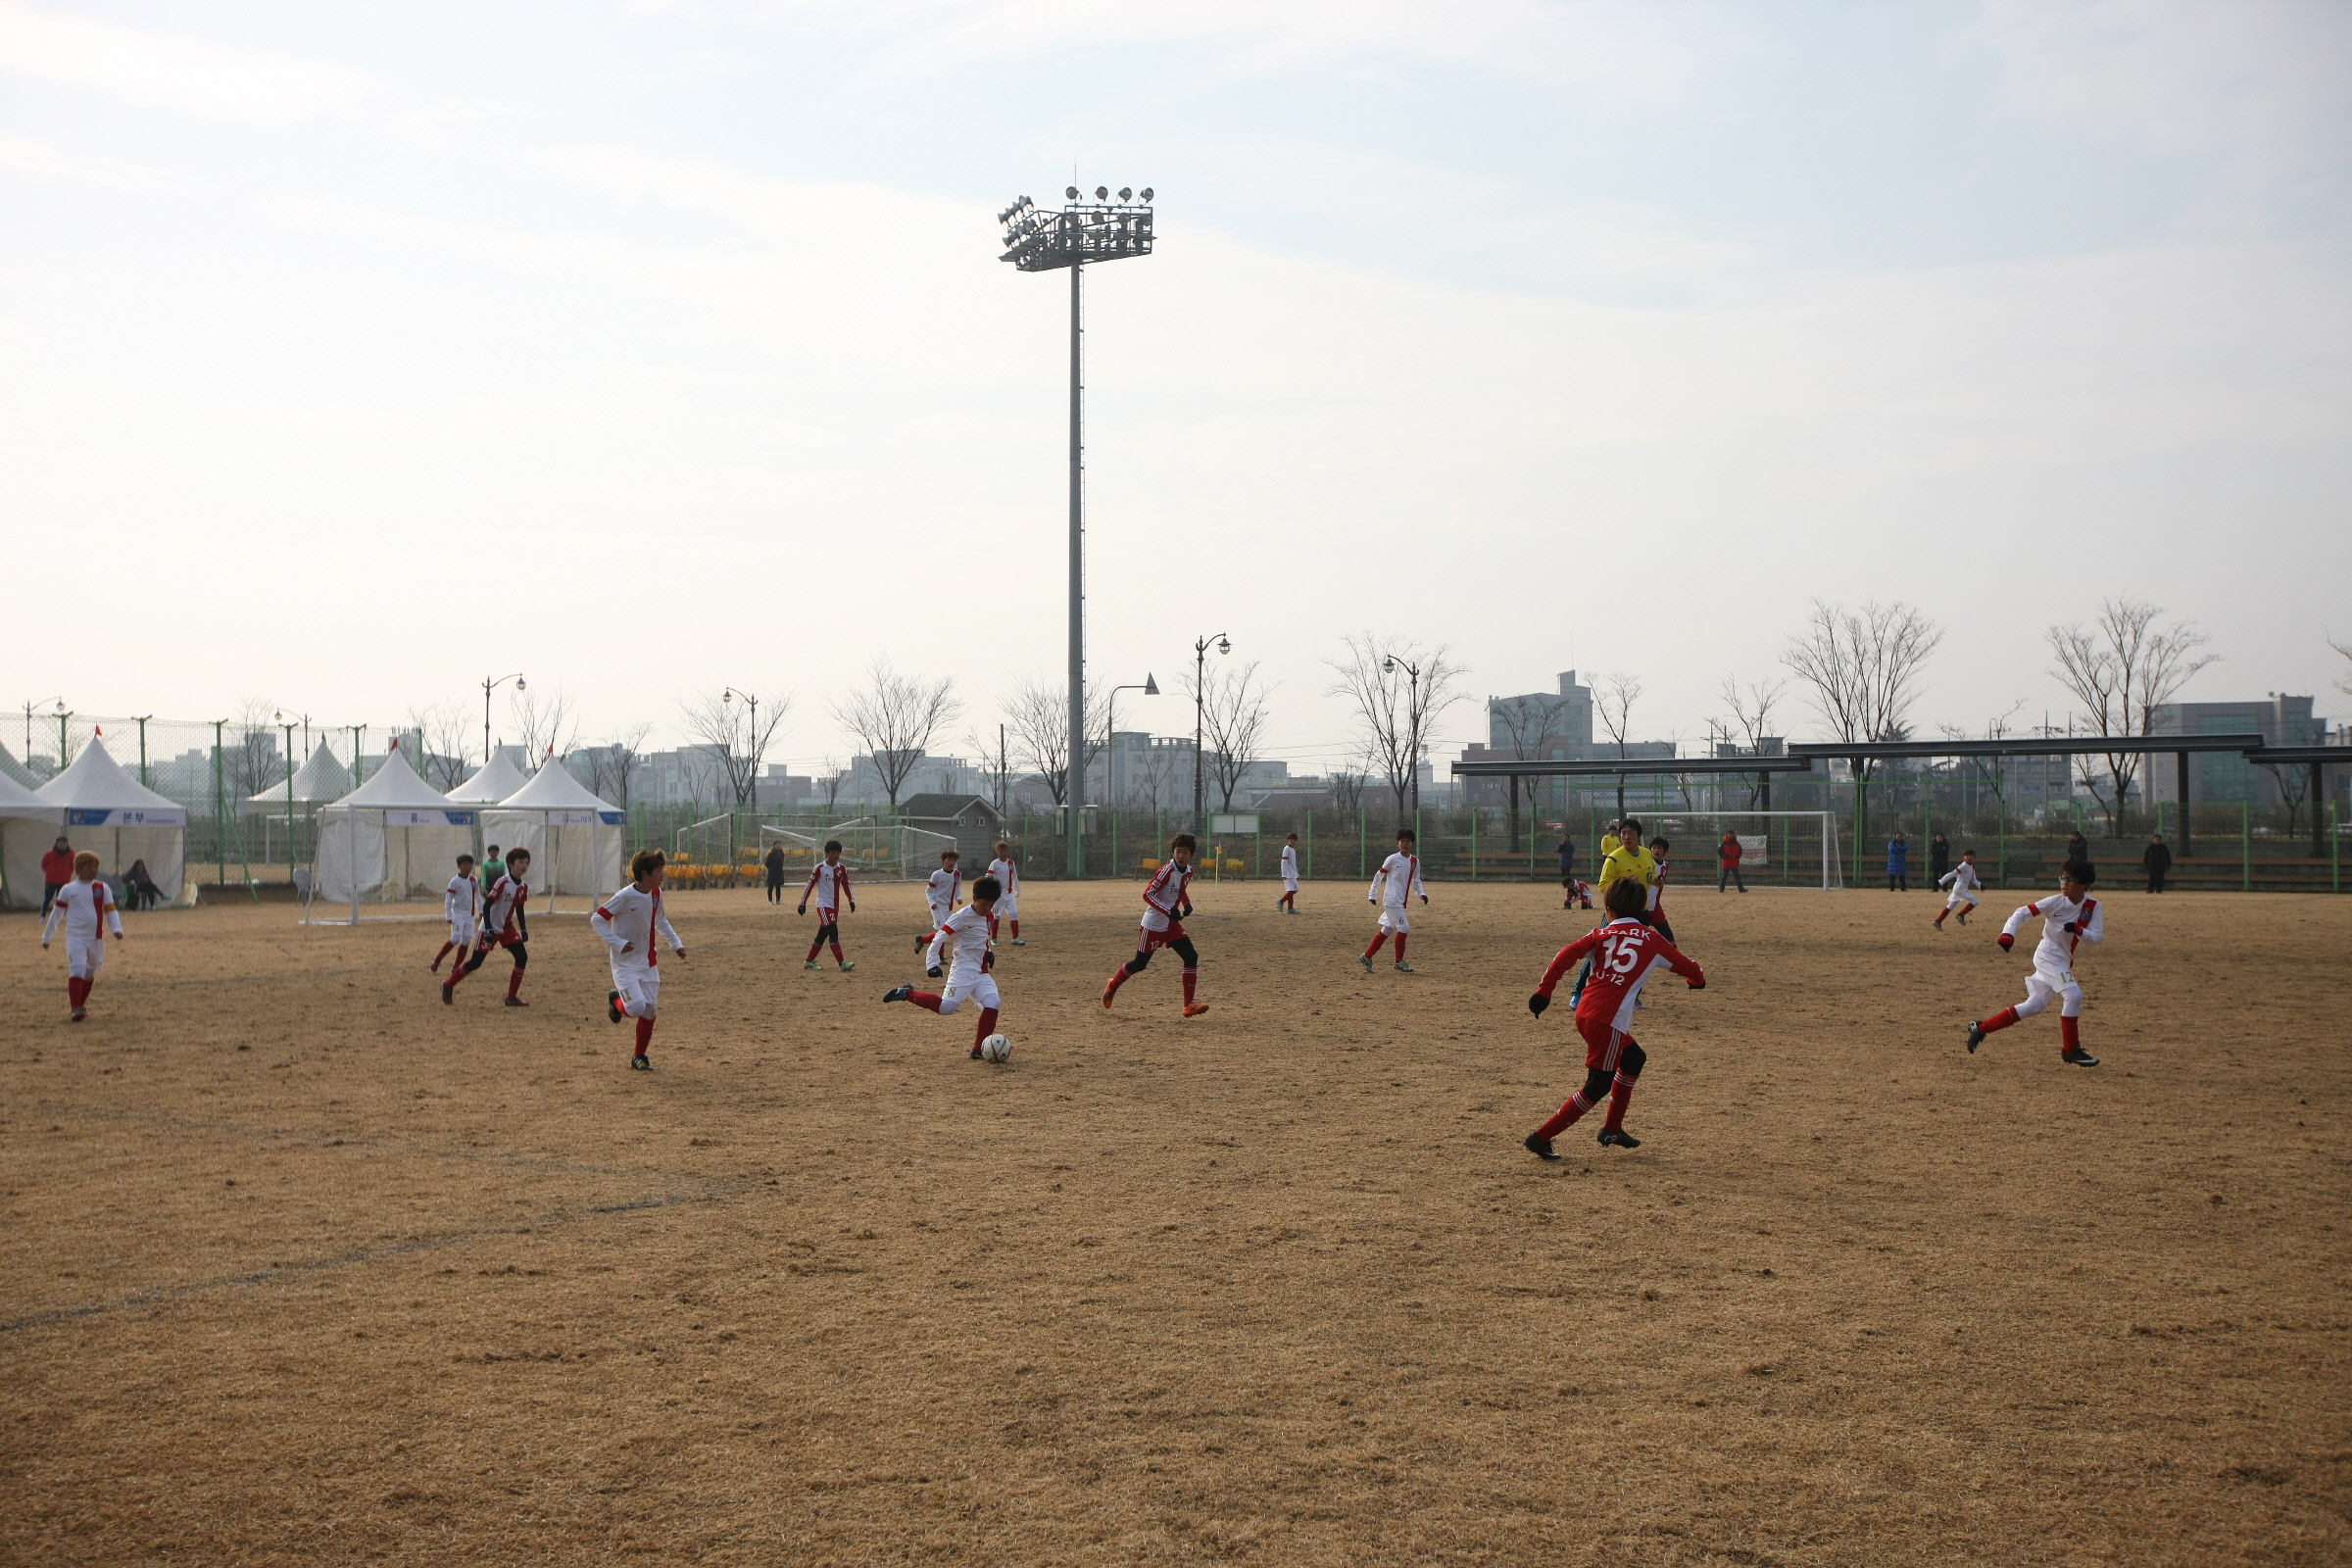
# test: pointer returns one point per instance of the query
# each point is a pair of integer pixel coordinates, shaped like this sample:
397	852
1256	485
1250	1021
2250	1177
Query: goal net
1799	848
709	842
883	852
800	849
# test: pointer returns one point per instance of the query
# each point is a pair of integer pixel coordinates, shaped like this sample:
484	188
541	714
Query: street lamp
491	683
731	695
1110	728
1040	241
1388	666
1200	692
28	707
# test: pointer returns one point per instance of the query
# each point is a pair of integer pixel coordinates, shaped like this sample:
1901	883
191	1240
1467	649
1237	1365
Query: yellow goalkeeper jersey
1636	862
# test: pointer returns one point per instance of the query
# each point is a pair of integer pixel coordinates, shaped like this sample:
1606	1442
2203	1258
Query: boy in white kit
829	880
2068	921
968	979
1288	903
462	907
82	905
941	891
1963	880
1398	876
1008	901
629	922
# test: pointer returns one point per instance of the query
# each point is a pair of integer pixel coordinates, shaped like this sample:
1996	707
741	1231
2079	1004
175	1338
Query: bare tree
2294	787
2343	683
1990	768
1399	691
1613	699
441	754
1039	719
1529	722
831	776
1233	723
2121	669
1751	708
612	765
1863	668
546	723
898	717
736	740
1159	776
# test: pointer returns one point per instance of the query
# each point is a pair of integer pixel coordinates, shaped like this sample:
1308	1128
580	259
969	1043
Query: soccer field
304	1266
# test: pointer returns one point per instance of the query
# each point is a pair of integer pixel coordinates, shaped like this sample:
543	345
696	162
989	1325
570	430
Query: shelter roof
96	782
496	781
319	779
394	787
554	788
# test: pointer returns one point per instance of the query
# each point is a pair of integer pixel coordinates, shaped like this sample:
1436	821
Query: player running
829	880
462	907
505	923
942	890
1623	954
627	922
1399	877
85	907
968	969
2068	921
1167	900
1964	881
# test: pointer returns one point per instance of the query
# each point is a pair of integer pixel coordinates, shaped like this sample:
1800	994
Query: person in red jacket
1727	862
57	869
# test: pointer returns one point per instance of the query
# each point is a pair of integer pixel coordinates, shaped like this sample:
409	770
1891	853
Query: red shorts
1152	941
1604	1043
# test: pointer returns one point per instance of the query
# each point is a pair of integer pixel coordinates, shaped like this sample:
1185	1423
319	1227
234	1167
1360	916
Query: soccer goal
886	852
709	842
800	849
1802	844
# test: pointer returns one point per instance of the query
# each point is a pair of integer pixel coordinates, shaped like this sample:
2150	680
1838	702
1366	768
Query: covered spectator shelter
394	837
29	825
109	811
574	838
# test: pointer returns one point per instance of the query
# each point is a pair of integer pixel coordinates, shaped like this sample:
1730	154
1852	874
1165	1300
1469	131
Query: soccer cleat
517	1002
977	1056
1193	1009
1538	1145
2078	1057
1367	961
448	993
1019	942
811	963
933	974
640	1064
1618	1138
847	967
920	943
1403	968
1976	1037
613	1007
898	993
433	967
79	1013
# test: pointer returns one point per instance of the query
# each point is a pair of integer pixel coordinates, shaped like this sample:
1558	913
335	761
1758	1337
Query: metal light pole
726	695
1110	727
1389	665
1039	241
491	683
1200	692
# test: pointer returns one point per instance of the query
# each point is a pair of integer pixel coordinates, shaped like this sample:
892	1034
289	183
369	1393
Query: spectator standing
775	872
2156	860
1727	862
2077	848
57	869
1898	863
1939	858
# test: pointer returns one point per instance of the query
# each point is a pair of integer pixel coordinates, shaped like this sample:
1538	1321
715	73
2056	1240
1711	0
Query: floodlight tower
1040	241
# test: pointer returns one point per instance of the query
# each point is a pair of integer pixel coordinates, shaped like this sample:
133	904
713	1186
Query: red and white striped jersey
1165	894
1398	875
942	889
506	895
1008	877
830	883
630	918
2056	950
1624	951
80	905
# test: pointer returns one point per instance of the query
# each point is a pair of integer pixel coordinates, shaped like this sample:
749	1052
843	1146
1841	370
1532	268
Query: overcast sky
355	352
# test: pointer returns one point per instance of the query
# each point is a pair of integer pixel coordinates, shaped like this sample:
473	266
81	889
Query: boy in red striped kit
1624	951
502	926
2068	921
1398	876
968	969
628	924
85	907
829	880
1167	900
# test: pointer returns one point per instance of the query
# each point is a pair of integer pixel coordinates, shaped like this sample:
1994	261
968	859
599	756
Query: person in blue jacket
1898	864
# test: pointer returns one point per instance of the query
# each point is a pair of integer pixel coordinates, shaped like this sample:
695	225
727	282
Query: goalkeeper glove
2006	940
1538	1003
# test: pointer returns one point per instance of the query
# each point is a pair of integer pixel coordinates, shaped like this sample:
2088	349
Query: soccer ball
996	1048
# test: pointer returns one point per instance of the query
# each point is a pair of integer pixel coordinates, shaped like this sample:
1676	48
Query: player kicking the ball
969	976
829	880
627	922
86	908
1623	952
1166	903
2068	921
1399	877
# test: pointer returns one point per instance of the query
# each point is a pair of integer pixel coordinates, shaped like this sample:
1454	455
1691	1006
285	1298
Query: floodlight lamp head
1102	193
1150	686
1126	194
1071	193
1147	193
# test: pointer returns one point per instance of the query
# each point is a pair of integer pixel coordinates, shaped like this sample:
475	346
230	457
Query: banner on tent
427	818
556	818
133	816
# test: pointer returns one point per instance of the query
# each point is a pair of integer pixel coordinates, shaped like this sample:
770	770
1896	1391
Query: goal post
889	851
1804	842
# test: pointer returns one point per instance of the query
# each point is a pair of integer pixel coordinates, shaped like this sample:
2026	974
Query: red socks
1192	978
813	948
1999	1021
987	1027
645	1034
1400	946
78	990
447	947
514	981
2070	1033
1379	941
928	1001
1621	1094
1566	1118
1016	930
836	952
1119	978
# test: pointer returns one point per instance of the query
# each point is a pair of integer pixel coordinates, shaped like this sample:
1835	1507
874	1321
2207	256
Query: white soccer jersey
1290	868
828	885
1009	878
1164	894
463	903
505	897
2055	953
630	918
941	891
967	927
1963	880
1398	875
79	908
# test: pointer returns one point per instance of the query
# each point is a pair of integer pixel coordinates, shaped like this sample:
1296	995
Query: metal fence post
2245	831
220	844
1309	868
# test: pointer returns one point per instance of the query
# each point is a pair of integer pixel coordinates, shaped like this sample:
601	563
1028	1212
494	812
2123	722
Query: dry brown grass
302	1266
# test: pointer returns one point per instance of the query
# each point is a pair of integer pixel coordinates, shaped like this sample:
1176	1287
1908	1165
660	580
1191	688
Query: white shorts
2044	986
83	959
461	933
1290	884
1392	918
640	988
955	992
1008	906
939	917
1958	898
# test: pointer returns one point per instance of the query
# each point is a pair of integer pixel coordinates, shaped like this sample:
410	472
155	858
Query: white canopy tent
394	837
492	782
321	780
575	837
29	825
123	819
